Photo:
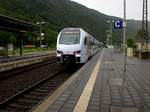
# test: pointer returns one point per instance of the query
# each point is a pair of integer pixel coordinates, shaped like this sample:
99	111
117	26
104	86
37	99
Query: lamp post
124	35
110	31
41	34
124	39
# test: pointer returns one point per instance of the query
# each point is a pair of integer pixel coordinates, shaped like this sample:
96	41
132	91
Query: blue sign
118	24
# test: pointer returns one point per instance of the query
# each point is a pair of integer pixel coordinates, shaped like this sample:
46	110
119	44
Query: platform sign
118	24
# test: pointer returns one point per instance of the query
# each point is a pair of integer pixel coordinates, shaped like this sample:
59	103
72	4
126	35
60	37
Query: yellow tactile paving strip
84	99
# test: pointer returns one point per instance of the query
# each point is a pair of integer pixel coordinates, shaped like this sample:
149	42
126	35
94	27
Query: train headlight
59	52
77	52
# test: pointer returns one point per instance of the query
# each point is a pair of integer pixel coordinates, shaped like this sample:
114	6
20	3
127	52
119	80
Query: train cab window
85	41
69	38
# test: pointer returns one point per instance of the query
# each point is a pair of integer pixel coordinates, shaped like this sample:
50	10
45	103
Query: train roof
76	29
72	29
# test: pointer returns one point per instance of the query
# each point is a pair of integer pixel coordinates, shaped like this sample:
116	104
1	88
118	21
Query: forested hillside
59	14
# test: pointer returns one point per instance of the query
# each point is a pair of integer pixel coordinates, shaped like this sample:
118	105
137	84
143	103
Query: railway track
27	99
16	80
13	72
16	58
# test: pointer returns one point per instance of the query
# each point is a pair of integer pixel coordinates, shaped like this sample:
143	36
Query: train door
85	49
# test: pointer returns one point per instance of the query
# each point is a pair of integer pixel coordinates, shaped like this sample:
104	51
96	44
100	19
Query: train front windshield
69	38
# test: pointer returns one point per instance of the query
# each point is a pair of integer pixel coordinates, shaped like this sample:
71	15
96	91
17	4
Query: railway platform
9	63
102	86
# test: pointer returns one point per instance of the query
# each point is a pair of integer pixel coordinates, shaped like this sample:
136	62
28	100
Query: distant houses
142	49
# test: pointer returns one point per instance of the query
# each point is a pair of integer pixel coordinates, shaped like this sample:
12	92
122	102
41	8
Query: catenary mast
145	37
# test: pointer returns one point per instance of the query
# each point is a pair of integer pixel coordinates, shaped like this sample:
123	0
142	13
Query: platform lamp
110	31
41	34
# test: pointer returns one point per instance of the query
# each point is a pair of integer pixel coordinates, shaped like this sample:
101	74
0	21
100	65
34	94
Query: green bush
3	53
130	42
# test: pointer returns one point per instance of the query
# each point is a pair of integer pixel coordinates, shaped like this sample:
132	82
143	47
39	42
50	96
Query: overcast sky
115	7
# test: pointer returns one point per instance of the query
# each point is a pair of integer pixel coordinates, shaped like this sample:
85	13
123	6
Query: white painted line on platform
84	99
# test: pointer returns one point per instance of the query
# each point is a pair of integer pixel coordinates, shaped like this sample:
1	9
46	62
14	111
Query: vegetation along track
33	95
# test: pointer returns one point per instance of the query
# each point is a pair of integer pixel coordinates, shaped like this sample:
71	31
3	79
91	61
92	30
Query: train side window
85	40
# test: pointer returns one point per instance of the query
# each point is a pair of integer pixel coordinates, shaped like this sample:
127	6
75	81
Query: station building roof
16	25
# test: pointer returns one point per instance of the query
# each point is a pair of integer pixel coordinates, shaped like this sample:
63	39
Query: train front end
69	47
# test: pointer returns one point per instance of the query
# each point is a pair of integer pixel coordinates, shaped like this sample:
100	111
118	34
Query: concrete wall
130	52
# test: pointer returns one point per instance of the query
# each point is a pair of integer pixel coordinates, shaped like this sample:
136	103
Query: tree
140	34
130	42
51	38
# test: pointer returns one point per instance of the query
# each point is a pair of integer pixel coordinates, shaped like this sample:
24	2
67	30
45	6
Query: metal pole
147	34
124	36
21	44
40	36
40	24
111	32
124	62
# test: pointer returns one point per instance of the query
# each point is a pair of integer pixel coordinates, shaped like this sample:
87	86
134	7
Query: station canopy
15	25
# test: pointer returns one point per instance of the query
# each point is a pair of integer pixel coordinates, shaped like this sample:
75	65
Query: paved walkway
112	95
109	93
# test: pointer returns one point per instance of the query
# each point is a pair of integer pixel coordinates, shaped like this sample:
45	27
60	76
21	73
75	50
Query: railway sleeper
45	91
33	97
27	101
21	106
39	94
49	87
16	110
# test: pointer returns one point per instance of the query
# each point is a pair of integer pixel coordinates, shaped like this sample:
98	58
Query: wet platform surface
102	86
